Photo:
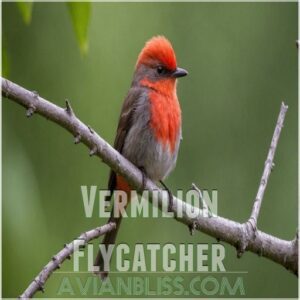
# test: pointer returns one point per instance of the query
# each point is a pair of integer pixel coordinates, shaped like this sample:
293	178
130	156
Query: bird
149	128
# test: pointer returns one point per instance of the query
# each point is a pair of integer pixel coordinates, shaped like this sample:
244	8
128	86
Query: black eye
160	70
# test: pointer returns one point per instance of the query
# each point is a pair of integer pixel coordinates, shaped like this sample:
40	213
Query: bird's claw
192	227
170	197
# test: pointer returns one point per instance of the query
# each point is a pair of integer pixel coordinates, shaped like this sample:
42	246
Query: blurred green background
242	62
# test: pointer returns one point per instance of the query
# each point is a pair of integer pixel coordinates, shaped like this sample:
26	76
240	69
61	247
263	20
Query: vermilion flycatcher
149	129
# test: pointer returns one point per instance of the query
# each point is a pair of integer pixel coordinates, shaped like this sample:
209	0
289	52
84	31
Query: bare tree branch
280	251
269	165
249	228
38	283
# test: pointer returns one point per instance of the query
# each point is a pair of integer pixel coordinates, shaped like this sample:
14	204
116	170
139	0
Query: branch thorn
90	129
93	151
30	111
35	94
67	247
40	285
77	139
69	109
296	240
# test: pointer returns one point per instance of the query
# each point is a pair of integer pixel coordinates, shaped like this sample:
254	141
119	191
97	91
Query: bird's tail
109	239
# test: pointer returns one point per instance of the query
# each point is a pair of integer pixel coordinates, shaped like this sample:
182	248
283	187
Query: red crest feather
158	48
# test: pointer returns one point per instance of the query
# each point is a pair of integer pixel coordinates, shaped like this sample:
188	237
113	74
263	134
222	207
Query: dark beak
179	72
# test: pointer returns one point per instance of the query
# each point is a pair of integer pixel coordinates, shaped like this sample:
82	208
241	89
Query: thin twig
248	229
269	165
38	283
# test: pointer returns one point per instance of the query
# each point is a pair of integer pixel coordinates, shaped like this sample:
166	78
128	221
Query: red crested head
158	49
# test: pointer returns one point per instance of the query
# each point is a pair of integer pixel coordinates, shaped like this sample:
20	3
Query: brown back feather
125	123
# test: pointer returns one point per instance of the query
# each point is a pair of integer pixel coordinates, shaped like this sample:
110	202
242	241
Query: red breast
165	112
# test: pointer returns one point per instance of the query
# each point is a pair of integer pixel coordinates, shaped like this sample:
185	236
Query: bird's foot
192	227
170	196
142	169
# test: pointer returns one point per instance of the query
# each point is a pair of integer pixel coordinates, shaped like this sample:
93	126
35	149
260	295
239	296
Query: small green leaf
25	9
4	62
80	14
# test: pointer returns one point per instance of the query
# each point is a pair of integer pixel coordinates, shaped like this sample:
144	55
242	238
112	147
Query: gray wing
125	123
